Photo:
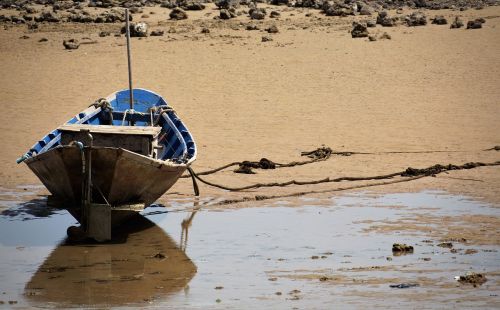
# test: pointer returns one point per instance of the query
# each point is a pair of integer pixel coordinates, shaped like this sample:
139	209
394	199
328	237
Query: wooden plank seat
138	139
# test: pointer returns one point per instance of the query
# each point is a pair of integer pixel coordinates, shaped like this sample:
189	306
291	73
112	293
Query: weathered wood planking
110	129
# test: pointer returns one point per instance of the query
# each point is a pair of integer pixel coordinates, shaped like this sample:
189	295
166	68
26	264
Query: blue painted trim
178	144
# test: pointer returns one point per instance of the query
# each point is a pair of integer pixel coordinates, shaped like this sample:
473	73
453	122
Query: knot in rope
246	166
102	103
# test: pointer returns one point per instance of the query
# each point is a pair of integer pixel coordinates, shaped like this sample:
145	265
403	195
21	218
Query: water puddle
273	256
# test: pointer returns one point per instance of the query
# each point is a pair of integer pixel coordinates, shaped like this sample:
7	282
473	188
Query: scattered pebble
257	14
402	248
274	14
272	29
439	20
219	287
359	30
470	251
71	44
475	24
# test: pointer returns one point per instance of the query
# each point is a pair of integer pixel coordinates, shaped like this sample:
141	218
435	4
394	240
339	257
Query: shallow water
272	256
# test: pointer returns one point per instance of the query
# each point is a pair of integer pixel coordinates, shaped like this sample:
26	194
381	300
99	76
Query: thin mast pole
131	94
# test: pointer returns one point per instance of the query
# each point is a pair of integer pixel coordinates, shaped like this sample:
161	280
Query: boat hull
119	177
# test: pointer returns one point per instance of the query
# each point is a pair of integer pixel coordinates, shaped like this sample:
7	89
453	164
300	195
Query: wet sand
427	89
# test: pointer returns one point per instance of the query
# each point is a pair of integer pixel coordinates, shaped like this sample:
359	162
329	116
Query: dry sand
429	88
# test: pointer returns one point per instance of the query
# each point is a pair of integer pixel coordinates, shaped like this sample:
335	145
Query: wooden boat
133	156
114	158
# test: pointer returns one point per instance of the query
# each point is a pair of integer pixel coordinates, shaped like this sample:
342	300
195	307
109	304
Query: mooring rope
317	155
298	194
409	172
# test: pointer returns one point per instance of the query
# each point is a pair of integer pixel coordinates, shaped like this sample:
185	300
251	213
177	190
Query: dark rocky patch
385	20
338	9
227	13
47	17
475	24
416	19
439	20
226	4
178	14
193	6
257	13
359	30
274	14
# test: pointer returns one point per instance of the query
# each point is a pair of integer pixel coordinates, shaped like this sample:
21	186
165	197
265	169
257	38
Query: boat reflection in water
142	263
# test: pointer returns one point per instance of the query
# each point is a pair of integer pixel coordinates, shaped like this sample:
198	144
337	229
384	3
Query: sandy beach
428	95
428	89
